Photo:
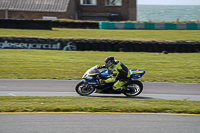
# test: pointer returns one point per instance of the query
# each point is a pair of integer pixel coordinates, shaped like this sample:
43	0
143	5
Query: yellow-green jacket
120	71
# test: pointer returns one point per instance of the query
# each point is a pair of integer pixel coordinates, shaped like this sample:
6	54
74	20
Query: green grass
92	104
55	64
169	35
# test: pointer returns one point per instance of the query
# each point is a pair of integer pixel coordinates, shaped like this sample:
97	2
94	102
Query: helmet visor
108	64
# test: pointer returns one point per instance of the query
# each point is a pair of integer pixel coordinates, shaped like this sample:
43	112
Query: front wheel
134	88
84	89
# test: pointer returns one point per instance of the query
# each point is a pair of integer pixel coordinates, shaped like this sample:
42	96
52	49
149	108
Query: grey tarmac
152	90
98	123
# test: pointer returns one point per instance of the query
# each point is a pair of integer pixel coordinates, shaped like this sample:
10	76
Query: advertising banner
50	45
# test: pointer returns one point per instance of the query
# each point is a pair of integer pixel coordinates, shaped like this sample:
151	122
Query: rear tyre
84	89
134	88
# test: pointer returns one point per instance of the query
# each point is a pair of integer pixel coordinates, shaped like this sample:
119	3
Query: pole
6	14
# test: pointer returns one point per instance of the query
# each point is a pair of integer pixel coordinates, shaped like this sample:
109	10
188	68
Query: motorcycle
91	83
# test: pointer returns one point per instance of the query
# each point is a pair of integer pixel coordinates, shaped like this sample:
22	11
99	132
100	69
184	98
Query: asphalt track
98	123
152	90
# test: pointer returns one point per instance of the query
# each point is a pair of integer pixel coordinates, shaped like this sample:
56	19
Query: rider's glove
98	67
101	67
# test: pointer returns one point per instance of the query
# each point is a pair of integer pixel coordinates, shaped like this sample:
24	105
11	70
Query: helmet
109	62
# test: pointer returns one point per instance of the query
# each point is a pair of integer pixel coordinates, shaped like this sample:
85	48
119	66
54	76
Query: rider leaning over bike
120	73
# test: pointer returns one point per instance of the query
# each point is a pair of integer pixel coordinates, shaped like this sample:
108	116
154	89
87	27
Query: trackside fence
149	26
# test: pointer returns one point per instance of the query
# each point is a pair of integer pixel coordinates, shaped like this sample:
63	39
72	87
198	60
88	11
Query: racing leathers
120	73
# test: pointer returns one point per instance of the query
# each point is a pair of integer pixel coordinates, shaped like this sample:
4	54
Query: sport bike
91	83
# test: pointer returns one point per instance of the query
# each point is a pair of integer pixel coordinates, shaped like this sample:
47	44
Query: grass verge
94	104
169	35
54	64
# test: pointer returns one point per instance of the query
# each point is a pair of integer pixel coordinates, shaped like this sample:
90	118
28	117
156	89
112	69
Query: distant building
69	9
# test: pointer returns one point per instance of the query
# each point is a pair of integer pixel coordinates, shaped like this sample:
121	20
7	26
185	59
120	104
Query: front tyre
84	89
134	88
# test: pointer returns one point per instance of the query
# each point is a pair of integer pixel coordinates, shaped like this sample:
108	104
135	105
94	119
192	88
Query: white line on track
11	94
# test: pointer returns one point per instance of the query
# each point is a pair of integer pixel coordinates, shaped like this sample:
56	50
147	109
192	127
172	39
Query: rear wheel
134	88
84	89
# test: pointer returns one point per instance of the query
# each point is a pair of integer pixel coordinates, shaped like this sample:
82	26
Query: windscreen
93	70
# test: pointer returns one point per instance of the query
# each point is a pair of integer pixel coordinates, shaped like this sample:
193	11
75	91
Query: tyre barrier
26	24
98	45
83	25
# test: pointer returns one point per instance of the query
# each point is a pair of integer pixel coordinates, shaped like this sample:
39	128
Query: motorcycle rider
120	73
